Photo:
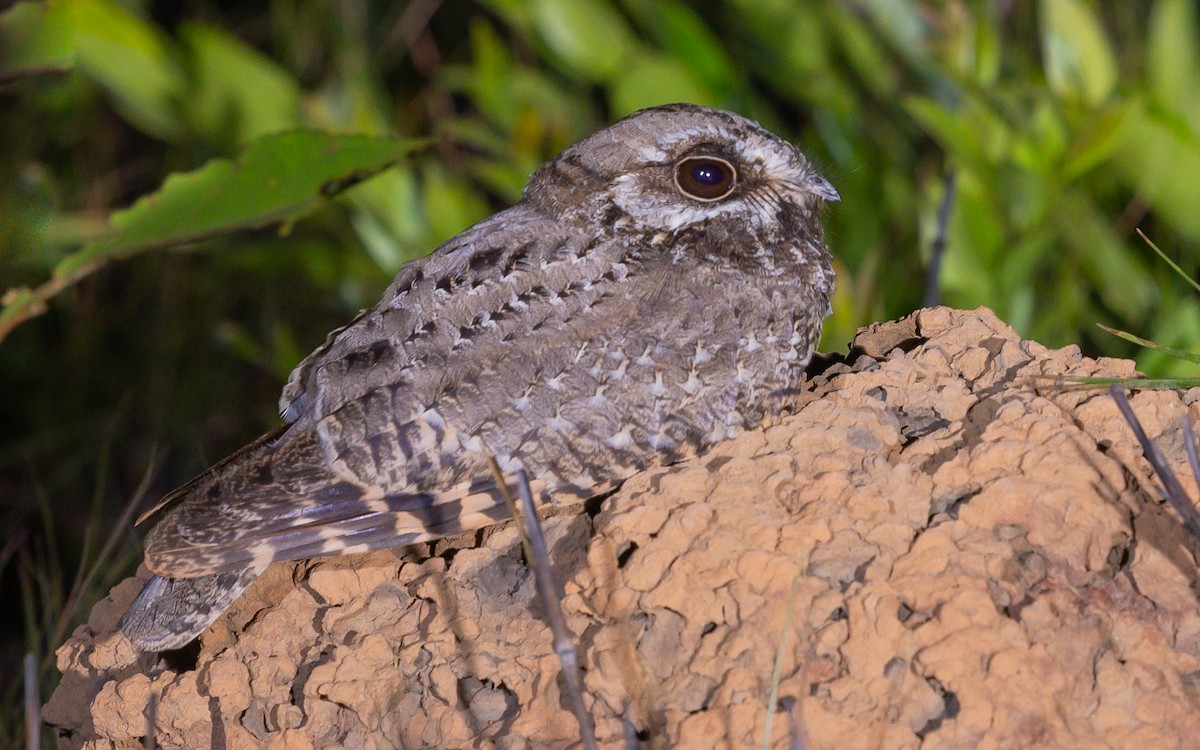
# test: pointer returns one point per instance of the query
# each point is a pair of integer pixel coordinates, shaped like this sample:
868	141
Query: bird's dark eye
706	178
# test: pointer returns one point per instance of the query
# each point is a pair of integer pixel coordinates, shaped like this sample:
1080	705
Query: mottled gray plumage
608	322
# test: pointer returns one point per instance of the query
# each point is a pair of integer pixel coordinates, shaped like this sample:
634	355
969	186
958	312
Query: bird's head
682	166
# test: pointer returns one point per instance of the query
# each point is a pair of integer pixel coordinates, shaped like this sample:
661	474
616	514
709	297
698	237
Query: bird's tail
170	612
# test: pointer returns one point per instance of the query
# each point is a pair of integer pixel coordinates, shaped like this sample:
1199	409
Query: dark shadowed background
1067	125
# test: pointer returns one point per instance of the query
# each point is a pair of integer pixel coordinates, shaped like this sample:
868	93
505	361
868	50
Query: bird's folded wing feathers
399	330
389	522
281	501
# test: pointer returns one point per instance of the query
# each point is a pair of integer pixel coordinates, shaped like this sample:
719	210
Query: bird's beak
820	187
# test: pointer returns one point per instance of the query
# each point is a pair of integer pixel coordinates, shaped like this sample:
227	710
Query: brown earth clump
947	546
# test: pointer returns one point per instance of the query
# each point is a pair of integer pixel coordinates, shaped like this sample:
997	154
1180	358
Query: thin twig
938	248
1174	266
502	487
1173	490
777	672
790	706
550	595
1189	443
33	718
529	528
413	31
631	738
150	741
22	303
412	24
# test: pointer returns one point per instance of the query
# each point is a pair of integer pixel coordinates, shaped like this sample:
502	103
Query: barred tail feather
171	612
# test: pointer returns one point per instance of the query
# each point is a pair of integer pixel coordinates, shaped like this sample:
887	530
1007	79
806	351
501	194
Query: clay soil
948	546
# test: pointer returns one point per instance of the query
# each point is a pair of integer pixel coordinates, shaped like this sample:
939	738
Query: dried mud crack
973	556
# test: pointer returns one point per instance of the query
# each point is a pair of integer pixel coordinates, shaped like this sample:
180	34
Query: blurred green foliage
1068	125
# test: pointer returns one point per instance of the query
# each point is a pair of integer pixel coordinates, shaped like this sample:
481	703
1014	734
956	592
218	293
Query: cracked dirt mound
955	550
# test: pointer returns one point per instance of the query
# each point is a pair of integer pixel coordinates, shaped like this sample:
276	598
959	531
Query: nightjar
659	288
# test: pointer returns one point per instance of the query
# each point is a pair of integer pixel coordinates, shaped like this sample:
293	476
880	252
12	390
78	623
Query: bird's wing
425	303
383	448
533	353
280	501
484	343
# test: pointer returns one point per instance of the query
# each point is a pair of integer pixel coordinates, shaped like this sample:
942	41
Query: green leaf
1161	159
684	35
132	60
1124	285
904	23
388	218
1078	57
1101	136
656	79
986	51
517	13
450	204
354	102
792	35
489	81
1174	266
1173	59
972	132
1172	383
238	93
975	236
1180	330
590	37
1043	139
279	178
33	41
1169	351
867	57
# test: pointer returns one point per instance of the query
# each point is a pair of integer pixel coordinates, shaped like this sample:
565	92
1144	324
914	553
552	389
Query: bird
658	288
